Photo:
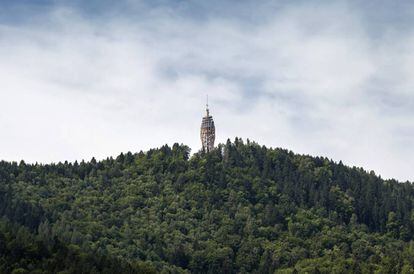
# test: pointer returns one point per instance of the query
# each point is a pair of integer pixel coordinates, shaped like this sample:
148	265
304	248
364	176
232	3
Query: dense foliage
22	251
240	208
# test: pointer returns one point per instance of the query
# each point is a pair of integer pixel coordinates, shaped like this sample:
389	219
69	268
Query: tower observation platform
207	131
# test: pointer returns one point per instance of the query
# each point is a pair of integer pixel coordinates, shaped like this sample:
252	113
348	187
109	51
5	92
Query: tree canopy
241	208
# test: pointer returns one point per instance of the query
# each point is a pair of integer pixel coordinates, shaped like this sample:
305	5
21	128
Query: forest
241	208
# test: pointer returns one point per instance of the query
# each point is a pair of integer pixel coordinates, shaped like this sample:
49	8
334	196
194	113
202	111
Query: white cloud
308	78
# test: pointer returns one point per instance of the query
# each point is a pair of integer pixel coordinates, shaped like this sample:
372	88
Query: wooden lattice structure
207	132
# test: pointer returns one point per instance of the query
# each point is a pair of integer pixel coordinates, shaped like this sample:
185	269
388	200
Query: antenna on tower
207	106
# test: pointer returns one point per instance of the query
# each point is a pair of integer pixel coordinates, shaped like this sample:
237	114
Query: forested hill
240	208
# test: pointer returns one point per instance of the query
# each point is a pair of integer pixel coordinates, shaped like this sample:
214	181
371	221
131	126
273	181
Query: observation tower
207	131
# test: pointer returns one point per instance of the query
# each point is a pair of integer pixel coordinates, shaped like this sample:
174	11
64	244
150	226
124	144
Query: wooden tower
207	131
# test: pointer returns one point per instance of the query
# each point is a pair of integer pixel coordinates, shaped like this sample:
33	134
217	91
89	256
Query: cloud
315	78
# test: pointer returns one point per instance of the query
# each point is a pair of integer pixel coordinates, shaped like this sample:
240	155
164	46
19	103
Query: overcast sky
324	78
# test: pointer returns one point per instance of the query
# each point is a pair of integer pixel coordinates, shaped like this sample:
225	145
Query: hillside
242	208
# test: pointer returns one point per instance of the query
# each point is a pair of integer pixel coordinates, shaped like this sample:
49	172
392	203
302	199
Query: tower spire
207	110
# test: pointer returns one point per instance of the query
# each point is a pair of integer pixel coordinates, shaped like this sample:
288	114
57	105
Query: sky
83	79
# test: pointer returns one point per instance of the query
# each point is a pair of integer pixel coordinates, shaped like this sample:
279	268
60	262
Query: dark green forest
241	208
